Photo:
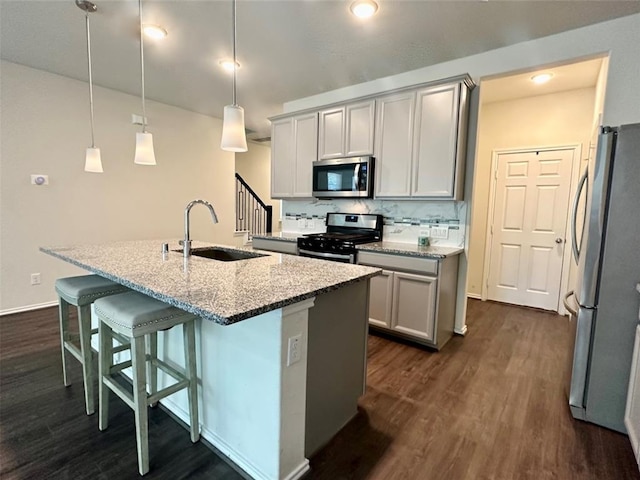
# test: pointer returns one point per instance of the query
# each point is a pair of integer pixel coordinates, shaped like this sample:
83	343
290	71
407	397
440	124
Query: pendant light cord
144	111
235	63
88	29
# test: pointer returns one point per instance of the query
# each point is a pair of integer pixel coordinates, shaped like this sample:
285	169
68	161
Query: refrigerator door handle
574	216
569	308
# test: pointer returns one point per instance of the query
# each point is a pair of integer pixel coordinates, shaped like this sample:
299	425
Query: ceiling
288	49
565	77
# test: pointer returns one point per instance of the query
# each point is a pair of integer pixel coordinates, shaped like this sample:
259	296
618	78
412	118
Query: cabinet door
435	142
359	129
632	413
394	140
414	305
380	294
282	158
305	151
331	133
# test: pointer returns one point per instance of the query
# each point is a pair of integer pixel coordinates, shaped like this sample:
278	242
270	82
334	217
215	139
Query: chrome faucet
186	243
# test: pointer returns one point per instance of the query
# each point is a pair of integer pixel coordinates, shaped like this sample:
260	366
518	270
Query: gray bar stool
81	292
137	316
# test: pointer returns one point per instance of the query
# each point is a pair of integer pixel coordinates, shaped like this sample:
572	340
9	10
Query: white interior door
527	232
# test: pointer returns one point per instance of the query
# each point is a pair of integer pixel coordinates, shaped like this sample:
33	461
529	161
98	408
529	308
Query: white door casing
527	226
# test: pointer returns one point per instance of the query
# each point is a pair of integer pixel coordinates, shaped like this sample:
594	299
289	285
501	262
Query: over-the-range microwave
343	178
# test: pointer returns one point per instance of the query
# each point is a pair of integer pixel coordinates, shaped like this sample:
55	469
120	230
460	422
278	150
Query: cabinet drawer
426	266
275	246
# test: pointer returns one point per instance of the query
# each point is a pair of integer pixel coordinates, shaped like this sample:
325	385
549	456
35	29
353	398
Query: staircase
252	214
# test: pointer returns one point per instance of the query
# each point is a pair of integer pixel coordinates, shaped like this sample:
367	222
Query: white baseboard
28	308
461	331
477	296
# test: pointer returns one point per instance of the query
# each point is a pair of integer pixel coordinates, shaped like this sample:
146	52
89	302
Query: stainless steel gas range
344	232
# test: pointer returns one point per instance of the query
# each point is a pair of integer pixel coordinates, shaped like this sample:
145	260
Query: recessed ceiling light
154	31
364	8
228	65
541	78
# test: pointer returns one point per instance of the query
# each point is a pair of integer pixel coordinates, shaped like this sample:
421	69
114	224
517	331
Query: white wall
557	119
255	167
45	130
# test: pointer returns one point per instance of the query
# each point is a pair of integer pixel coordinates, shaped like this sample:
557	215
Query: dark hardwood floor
491	405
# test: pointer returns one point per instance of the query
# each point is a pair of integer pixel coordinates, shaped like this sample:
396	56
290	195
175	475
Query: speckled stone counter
281	236
432	251
224	292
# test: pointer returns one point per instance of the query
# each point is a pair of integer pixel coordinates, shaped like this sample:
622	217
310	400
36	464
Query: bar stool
81	292
136	316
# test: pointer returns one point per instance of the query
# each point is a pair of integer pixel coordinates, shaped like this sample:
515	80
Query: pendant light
233	134
92	161
144	140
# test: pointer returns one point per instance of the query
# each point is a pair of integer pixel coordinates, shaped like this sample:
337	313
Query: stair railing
252	214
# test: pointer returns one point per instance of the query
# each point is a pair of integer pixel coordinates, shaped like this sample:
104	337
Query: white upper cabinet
420	143
331	133
394	144
359	129
282	161
435	142
346	131
294	148
417	136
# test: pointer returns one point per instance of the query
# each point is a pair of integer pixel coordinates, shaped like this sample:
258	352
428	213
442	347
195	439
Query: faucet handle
181	242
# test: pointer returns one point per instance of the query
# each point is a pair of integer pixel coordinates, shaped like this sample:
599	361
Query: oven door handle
349	257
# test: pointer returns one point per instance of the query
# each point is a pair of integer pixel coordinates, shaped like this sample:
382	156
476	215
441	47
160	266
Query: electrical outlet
35	279
295	349
440	232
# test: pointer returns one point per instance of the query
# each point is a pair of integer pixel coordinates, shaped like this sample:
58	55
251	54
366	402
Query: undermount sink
223	254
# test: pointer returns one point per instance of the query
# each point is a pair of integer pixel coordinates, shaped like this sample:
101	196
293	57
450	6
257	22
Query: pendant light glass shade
234	137
92	161
144	149
233	134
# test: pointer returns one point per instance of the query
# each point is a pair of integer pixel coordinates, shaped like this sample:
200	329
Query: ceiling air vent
254	136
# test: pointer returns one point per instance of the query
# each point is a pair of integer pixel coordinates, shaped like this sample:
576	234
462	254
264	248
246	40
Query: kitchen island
260	406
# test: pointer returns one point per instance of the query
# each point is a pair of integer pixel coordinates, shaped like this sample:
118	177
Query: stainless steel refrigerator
608	255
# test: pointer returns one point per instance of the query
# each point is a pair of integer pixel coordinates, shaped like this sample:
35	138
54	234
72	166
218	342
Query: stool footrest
120	366
169	370
125	395
165	392
73	350
121	348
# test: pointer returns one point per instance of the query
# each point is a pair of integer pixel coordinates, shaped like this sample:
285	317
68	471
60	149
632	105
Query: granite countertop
432	251
223	292
408	249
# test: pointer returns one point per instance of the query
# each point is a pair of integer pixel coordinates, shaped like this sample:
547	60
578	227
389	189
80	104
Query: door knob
559	240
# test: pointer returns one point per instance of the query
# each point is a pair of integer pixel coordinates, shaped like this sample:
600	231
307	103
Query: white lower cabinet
632	413
414	298
380	298
414	305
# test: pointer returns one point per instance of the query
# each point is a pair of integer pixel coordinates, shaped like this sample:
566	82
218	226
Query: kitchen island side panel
336	361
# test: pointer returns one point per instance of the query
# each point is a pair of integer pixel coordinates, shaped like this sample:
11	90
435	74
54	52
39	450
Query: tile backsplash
404	220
